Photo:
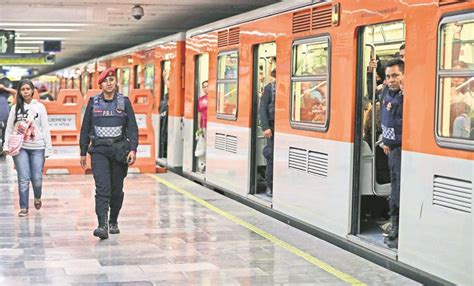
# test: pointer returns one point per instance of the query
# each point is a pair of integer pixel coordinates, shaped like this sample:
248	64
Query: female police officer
110	134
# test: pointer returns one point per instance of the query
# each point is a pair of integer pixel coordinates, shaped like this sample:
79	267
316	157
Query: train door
163	110
264	63
377	44
201	76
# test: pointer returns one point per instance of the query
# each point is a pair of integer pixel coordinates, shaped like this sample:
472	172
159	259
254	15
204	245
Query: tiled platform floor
166	239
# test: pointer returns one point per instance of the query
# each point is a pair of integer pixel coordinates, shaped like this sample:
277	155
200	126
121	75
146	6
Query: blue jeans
29	165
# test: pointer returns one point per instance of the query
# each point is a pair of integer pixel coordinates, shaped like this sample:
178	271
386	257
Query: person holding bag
28	141
109	133
200	151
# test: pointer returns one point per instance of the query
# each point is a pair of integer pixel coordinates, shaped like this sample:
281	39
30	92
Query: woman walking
28	141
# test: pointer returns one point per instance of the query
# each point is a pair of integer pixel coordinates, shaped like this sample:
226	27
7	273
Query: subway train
330	176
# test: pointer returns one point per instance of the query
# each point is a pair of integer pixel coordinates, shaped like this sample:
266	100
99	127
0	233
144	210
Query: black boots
392	239
113	225
102	231
113	228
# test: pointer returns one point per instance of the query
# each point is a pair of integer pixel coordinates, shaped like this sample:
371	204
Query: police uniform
267	121
392	114
109	132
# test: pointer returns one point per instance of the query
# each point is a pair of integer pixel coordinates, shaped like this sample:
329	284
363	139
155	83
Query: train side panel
436	236
321	198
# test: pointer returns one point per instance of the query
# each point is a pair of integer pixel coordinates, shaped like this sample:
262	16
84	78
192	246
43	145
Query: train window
150	77
455	98
137	70
165	84
227	79
90	80
76	83
85	83
125	81
310	84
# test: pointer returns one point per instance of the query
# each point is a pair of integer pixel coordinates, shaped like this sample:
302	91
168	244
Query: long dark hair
20	101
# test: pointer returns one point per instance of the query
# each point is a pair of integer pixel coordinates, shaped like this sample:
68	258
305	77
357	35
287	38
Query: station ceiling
91	28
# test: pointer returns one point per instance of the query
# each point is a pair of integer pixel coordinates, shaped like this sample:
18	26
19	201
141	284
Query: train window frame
442	141
229	117
318	127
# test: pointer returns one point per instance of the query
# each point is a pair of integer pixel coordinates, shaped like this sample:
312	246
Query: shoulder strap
120	102
95	99
382	94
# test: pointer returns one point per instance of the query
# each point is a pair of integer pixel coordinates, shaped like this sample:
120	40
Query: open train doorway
371	220
264	64
163	111
201	77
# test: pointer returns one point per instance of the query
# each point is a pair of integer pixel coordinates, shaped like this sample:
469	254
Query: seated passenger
460	89
310	99
462	123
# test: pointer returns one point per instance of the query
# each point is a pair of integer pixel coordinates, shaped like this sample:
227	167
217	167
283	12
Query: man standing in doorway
267	122
392	113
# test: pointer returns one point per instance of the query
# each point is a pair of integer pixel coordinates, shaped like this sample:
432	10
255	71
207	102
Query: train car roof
149	45
266	11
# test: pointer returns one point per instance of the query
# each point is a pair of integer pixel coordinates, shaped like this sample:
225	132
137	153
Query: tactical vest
108	117
392	115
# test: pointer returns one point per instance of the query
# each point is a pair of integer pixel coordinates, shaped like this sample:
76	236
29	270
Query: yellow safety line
308	257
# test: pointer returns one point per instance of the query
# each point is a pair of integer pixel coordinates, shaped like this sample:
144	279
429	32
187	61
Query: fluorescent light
26	48
48	30
40	38
45	24
29	42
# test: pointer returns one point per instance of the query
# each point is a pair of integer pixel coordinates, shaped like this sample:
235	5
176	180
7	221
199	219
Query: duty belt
106	141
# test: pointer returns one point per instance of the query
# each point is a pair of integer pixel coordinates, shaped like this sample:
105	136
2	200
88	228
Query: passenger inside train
456	88
382	43
310	83
262	128
267	122
163	111
200	151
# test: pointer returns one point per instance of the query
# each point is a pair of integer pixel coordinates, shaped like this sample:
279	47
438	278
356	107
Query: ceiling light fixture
48	30
40	38
45	24
29	42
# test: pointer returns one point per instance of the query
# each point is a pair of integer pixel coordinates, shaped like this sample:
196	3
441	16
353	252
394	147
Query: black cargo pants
109	175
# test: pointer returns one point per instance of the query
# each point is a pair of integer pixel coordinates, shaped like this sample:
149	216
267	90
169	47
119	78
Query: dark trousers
394	163
109	175
268	154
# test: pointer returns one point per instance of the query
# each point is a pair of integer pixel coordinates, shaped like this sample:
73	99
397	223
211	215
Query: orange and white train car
326	174
327	177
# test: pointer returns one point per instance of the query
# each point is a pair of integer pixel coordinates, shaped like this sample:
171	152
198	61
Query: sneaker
269	192
23	213
38	204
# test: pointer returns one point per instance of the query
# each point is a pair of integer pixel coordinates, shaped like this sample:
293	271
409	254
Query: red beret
104	74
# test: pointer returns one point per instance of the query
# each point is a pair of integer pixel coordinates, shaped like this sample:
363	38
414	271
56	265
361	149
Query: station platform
173	232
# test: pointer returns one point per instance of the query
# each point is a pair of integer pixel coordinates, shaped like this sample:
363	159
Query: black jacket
267	107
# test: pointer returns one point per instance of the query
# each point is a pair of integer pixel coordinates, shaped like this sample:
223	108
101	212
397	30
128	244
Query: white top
37	111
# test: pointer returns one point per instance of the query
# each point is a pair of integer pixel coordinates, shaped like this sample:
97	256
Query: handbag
200	147
15	141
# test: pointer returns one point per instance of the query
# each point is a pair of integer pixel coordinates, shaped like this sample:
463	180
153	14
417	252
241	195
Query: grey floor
167	238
